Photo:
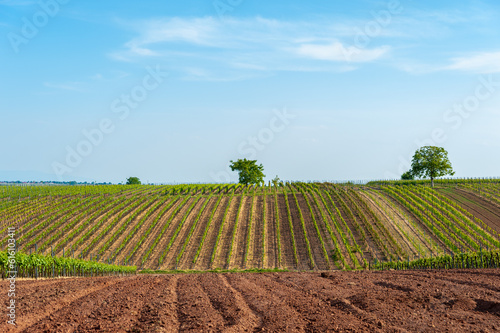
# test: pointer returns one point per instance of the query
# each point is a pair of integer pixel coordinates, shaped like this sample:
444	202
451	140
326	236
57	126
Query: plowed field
416	301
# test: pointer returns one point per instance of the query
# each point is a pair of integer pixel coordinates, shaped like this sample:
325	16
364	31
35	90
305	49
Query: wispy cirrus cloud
336	51
486	62
236	45
245	47
198	31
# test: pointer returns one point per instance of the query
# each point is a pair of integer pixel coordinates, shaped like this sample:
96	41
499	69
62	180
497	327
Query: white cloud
488	62
195	31
416	68
198	74
140	51
480	63
336	51
152	33
243	34
239	47
244	47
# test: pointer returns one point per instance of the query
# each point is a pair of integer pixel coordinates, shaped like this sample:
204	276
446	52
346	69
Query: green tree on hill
408	175
431	162
249	171
133	181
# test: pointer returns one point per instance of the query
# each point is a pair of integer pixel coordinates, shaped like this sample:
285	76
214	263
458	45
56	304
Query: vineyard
294	226
41	266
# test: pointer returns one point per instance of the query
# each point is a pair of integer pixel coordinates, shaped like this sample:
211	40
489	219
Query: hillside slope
299	226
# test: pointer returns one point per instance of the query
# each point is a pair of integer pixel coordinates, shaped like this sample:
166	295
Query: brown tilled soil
411	301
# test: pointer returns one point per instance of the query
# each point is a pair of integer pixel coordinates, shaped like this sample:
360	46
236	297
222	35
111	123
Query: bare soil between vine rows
479	207
389	301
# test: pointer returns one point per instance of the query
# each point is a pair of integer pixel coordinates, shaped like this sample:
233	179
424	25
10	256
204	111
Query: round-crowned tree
431	162
133	181
249	171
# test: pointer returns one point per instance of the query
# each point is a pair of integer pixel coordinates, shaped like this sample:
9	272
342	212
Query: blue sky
319	90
